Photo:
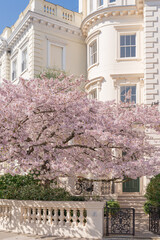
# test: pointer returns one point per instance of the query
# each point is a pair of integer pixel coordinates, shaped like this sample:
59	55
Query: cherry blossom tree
49	125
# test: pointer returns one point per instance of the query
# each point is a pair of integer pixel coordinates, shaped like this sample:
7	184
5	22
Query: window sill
94	65
14	80
111	4
25	70
100	7
128	59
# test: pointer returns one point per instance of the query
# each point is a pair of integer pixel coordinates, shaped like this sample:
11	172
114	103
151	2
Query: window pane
133	51
128	40
122	52
100	3
93	52
129	43
133	99
94	58
133	90
122	40
133	39
93	94
128	54
128	94
123	90
128	88
122	98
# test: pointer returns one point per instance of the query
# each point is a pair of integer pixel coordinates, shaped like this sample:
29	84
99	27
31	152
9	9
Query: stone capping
63	219
108	12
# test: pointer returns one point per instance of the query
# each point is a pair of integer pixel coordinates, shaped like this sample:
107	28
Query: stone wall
64	219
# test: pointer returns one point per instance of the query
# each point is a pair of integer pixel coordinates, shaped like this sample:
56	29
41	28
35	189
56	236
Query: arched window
93	94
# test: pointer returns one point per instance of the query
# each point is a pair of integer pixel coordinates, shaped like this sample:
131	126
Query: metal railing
154	220
120	221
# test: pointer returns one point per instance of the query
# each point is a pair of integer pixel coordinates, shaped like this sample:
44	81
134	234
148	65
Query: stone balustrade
66	15
65	219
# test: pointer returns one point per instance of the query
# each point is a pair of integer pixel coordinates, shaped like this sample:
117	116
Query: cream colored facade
115	43
52	37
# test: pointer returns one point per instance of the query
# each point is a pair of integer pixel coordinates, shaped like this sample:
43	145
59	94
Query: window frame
111	3
55	43
129	80
26	65
129	30
93	55
99	5
16	68
125	45
94	84
93	94
128	85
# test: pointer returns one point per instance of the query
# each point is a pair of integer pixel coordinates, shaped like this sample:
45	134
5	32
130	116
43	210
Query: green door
131	185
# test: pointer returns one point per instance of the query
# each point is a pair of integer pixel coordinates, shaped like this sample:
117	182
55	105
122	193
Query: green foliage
16	181
112	206
147	206
153	191
152	194
27	188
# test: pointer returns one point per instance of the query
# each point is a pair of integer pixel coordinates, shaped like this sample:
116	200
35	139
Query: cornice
31	17
109	12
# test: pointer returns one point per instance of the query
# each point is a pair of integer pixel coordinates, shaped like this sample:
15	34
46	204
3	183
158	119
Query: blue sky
10	10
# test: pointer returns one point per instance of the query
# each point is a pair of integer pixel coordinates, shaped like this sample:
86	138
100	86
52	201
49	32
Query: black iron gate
154	220
120	221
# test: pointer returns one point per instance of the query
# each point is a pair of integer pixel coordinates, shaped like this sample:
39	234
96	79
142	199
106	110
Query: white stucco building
114	43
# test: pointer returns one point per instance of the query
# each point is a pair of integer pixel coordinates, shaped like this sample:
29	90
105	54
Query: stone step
128	199
134	205
131	200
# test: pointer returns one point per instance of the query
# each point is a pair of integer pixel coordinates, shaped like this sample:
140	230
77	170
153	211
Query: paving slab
14	236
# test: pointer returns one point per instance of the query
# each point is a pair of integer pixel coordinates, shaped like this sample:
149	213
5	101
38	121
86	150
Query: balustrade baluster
81	218
39	215
74	217
28	214
68	217
61	216
44	215
55	216
50	216
25	214
34	214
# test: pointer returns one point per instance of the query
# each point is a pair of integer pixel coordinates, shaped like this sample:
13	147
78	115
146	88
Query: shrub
147	206
27	188
153	191
112	206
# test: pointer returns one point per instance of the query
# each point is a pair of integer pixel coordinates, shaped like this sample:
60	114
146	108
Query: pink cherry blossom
50	125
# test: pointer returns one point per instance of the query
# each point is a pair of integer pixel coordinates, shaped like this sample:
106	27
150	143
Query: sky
10	10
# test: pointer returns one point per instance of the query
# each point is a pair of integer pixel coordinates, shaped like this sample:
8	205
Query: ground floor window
128	94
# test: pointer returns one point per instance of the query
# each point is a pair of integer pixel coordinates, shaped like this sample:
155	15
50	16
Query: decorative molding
127	78
94	81
109	12
92	36
34	17
129	27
